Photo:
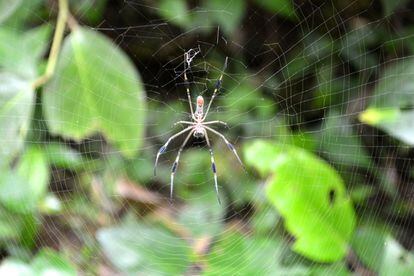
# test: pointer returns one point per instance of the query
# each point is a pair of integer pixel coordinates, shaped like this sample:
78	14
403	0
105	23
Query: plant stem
56	44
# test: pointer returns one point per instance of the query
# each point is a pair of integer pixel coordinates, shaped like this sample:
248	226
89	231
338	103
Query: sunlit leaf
96	88
311	197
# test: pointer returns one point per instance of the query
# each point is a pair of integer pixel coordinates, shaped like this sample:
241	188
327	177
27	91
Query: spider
198	127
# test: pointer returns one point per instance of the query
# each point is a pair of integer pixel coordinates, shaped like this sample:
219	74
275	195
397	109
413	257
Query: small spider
198	127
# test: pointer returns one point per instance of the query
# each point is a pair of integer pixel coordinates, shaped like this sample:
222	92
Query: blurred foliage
320	105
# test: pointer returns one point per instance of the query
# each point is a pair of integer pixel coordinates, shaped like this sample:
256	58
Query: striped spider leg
198	128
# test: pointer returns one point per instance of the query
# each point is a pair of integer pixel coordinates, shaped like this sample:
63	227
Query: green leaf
397	123
311	197
282	7
390	6
96	88
28	12
140	248
21	189
33	167
16	105
63	156
354	47
175	11
392	107
234	253
337	269
265	219
341	144
7	8
368	244
9	227
237	254
49	262
91	10
202	215
23	51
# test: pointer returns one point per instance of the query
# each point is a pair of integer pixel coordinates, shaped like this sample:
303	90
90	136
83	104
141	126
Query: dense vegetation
319	99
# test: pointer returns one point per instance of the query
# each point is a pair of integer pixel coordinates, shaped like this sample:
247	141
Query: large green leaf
16	105
139	248
7	8
391	108
311	197
96	88
22	188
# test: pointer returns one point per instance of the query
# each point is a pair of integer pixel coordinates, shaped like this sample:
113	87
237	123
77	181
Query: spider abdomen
198	132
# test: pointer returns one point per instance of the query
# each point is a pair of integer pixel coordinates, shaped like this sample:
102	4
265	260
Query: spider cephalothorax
197	127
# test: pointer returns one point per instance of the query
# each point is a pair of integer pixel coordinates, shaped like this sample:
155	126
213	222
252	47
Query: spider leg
213	166
163	148
229	145
216	88
175	164
215	122
184	122
187	85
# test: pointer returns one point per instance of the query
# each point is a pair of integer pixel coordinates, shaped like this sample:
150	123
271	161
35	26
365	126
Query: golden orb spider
198	127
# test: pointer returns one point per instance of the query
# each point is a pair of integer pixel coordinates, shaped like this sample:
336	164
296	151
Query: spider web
301	82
